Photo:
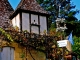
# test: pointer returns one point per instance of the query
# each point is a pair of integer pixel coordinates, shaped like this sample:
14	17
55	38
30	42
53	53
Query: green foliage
12	35
22	55
6	35
76	46
40	1
76	29
72	23
73	26
52	26
52	6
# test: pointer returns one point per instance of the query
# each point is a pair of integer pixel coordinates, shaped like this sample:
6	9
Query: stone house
29	16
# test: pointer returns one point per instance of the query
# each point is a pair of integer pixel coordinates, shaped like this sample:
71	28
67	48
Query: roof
31	5
5	11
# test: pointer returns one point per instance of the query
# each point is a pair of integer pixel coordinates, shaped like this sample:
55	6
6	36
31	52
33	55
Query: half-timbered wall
43	24
16	21
34	19
25	22
31	22
35	22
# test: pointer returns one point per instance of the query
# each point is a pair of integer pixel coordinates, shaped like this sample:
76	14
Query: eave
26	11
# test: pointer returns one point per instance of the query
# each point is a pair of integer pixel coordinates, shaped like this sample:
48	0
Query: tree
76	46
62	9
52	6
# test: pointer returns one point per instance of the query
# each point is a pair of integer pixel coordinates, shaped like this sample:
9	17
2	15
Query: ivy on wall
6	35
44	43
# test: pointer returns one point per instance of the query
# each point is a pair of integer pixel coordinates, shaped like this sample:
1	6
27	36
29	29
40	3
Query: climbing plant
46	43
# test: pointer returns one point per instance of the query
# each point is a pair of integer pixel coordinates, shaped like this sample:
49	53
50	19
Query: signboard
65	43
62	43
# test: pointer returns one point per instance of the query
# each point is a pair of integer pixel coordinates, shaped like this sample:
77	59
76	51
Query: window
7	53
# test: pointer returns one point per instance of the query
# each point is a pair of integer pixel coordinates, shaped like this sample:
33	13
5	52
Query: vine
44	43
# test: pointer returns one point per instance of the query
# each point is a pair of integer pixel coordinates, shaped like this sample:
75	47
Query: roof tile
5	11
31	5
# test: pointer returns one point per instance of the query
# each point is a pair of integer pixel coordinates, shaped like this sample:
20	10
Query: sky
14	4
77	3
